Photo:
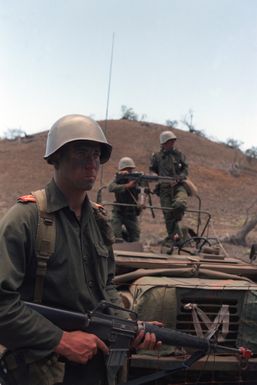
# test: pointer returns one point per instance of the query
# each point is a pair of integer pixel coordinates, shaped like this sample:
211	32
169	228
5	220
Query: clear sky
170	56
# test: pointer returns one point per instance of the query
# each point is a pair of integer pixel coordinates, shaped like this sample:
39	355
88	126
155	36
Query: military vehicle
198	289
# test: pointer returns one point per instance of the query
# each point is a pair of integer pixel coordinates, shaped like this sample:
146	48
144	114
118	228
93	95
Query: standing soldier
77	275
172	163
126	193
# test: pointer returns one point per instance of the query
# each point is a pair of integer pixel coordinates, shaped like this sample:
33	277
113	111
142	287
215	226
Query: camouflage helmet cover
167	135
76	127
126	162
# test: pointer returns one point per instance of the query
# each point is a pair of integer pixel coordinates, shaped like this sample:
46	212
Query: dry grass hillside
226	197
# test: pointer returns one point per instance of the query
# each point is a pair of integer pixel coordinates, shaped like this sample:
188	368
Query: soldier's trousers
175	199
50	371
93	373
127	217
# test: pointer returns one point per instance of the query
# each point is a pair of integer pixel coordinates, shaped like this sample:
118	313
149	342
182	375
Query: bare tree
171	123
240	237
188	121
250	223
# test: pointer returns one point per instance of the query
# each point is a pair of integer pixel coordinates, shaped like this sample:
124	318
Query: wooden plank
245	270
132	255
211	362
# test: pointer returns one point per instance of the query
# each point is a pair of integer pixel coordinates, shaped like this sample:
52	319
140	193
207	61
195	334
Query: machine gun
142	178
118	334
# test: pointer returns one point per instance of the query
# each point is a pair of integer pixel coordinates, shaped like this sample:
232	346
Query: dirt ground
227	198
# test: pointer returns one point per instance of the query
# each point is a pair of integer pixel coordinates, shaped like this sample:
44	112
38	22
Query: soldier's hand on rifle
147	190
147	341
130	184
79	346
174	182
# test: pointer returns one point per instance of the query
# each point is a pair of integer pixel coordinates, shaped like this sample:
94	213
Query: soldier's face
79	165
127	170
169	145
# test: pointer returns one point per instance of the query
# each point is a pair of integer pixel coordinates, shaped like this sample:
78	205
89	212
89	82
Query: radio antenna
108	100
109	85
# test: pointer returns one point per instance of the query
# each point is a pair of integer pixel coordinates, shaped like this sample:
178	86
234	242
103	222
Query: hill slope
225	196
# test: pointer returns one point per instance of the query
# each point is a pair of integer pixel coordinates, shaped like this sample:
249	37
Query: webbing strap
221	320
165	373
45	242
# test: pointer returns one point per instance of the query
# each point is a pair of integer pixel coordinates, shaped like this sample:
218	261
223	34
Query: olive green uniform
79	275
171	163
125	215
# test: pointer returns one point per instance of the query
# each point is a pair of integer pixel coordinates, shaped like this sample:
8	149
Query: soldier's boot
177	235
167	246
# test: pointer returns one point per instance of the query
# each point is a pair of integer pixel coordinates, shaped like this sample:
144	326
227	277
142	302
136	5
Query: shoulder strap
103	223
45	242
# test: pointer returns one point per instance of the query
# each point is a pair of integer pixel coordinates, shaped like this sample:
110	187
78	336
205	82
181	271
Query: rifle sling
165	373
45	242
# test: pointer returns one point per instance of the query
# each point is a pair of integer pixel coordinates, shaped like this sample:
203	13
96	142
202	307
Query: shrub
251	153
128	113
233	143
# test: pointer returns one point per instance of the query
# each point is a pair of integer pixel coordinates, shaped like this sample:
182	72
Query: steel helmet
167	135
125	163
76	127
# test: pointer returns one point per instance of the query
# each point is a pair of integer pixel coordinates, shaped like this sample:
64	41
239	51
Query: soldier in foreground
172	163
76	276
126	193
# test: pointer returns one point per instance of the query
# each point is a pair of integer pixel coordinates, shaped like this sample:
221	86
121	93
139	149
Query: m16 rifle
119	332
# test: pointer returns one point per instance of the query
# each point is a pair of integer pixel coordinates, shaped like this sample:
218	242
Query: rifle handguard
176	338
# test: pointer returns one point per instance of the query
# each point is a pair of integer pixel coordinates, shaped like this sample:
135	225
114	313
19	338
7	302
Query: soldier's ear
55	159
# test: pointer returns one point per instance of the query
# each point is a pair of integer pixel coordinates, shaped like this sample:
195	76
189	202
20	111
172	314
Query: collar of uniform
170	151
55	198
57	201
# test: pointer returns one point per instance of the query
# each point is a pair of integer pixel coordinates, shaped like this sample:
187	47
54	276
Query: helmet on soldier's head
76	127
126	162
167	135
